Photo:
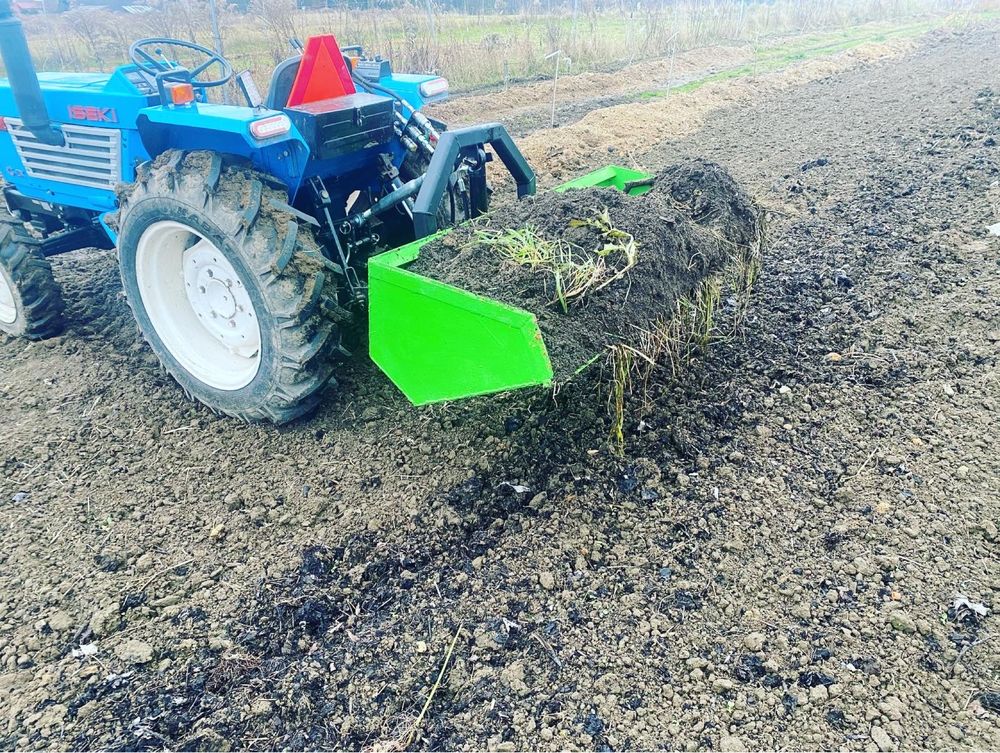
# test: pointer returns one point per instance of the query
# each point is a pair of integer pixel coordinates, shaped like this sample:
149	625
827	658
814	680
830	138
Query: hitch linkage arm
450	145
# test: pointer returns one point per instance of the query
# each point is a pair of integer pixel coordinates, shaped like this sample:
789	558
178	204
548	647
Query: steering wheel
148	56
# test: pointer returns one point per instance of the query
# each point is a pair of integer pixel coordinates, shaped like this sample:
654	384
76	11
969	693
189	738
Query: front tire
31	304
229	287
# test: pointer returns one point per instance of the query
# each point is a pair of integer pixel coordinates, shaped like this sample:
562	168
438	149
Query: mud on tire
270	246
32	307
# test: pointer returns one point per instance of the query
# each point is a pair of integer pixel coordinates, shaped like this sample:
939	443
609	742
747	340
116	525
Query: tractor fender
225	129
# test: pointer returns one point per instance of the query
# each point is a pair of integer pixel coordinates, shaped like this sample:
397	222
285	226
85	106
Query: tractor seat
281	83
319	73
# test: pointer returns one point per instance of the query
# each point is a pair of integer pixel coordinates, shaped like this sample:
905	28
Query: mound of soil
693	224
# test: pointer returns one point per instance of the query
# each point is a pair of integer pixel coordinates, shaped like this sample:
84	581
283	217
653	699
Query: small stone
513	676
865	566
754	641
134	651
105	620
818	694
893	708
803	611
955	733
989	529
834	357
547	580
902	622
51	716
721	685
882	739
732	744
166	601
60	621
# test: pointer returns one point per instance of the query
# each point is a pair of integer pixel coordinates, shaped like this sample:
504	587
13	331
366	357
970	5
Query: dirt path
528	107
772	564
625	132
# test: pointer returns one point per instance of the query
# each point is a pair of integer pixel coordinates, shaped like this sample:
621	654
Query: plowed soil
775	562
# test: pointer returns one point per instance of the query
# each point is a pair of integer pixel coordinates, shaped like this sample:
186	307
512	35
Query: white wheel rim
8	311
198	305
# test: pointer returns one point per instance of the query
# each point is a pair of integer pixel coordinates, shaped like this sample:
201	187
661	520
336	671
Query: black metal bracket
449	147
356	291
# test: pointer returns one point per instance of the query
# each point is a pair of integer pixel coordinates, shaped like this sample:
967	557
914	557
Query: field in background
473	49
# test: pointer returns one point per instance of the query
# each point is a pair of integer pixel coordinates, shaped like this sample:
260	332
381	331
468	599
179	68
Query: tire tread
40	313
281	252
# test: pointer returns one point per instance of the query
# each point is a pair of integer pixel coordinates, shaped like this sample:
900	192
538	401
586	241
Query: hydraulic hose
418	117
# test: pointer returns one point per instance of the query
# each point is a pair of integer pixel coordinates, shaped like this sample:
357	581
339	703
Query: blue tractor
243	231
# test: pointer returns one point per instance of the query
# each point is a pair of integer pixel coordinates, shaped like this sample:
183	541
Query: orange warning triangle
322	73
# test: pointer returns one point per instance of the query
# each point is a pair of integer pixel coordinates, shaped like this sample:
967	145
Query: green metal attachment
611	176
438	342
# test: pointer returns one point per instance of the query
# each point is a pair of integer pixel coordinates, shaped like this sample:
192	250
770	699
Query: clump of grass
575	271
622	359
745	269
672	342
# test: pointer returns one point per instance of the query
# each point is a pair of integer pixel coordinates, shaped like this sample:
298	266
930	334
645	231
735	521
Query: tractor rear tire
229	286
31	304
